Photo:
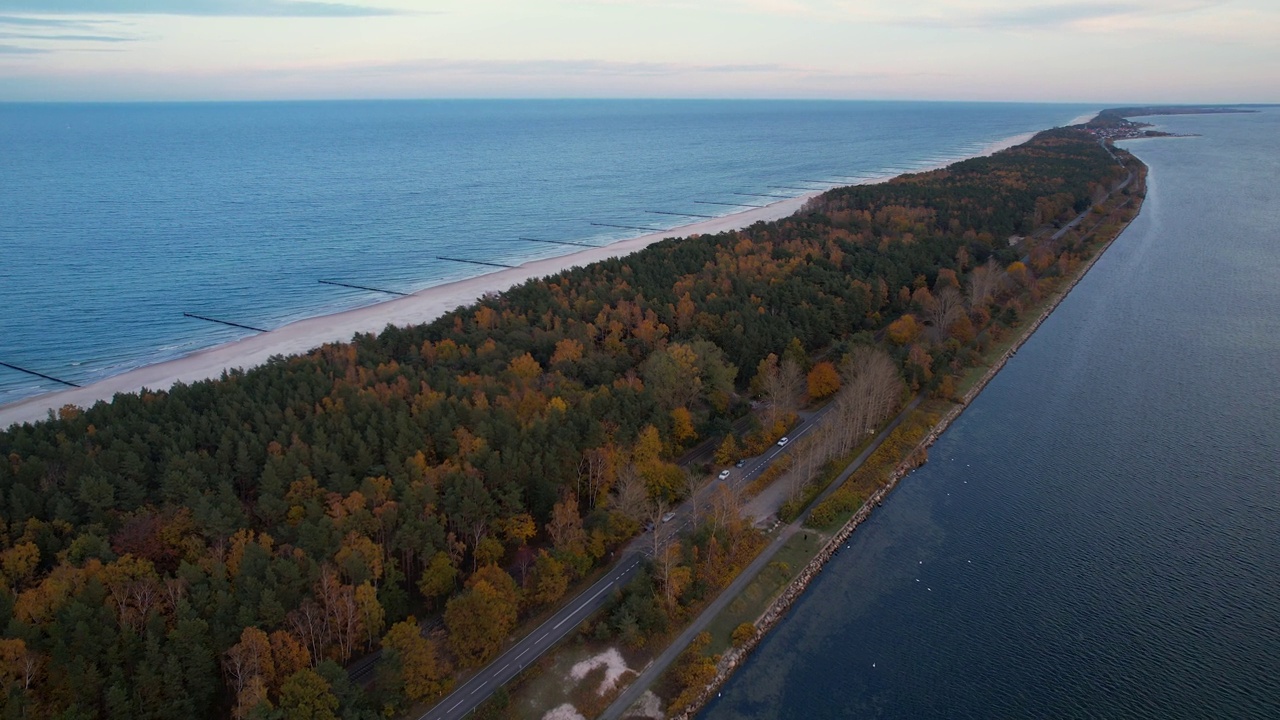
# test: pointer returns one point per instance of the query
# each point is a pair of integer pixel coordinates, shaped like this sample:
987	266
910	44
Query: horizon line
656	98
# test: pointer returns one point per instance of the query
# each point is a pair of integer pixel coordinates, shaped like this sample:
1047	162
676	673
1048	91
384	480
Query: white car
668	517
783	442
724	474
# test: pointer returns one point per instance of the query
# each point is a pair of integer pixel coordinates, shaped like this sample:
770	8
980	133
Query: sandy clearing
563	712
614	665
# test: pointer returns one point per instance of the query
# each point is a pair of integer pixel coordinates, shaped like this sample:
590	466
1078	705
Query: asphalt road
476	690
480	686
1079	218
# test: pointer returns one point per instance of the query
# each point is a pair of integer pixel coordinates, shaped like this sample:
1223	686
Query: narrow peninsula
649	455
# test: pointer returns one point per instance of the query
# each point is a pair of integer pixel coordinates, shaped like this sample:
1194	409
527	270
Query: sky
1121	51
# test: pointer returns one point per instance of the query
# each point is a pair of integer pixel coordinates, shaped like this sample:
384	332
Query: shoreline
916	457
423	306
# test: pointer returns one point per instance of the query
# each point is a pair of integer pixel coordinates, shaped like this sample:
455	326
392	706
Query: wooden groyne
39	374
475	262
628	227
362	287
224	322
557	242
664	212
708	202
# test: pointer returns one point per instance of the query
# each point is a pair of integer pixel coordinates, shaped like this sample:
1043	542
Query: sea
1098	535
118	221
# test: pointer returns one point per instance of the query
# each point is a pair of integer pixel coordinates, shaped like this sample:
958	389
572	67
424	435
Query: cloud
22	21
942	14
227	8
595	68
66	37
1043	15
584	67
58	31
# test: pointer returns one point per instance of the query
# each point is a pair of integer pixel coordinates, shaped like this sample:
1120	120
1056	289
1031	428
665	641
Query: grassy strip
873	473
757	596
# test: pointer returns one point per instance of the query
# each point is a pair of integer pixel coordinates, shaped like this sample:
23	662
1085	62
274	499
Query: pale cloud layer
1038	50
226	8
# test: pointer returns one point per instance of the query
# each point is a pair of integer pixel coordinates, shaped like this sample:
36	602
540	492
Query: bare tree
726	505
30	666
985	283
343	614
308	624
631	498
241	662
781	386
806	456
657	509
666	563
790	386
693	483
593	473
870	393
945	308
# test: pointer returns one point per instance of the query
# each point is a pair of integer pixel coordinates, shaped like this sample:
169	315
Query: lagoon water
117	219
1098	536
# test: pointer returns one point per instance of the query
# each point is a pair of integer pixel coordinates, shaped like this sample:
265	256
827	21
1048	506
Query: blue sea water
117	219
1098	536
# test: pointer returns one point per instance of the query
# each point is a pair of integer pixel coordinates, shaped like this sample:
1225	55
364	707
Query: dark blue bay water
1099	535
116	219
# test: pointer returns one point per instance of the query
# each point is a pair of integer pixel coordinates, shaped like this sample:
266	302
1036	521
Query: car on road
668	517
724	474
783	442
740	463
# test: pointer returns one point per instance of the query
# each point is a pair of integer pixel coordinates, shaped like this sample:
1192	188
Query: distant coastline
420	307
1117	123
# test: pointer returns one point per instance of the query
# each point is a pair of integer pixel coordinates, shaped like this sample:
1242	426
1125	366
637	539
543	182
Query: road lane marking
455	706
504	667
588	602
522	652
473	692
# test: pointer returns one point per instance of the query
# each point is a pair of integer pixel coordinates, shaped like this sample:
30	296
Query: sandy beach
1082	119
423	306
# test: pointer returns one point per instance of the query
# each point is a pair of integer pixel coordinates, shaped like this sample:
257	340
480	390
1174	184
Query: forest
225	548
